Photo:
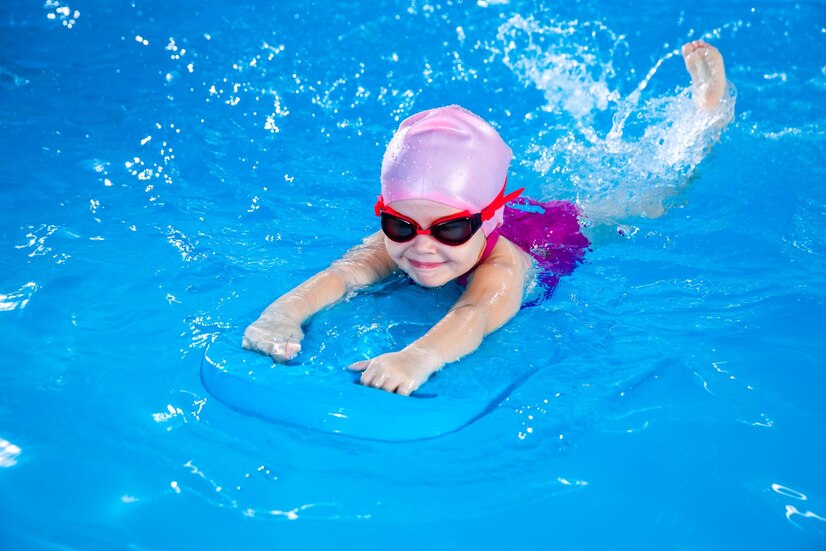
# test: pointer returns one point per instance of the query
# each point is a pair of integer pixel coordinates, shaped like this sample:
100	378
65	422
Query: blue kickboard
315	396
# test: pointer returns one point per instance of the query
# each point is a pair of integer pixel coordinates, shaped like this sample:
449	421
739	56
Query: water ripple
18	299
8	453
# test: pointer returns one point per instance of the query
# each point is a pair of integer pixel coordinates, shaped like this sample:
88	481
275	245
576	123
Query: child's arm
493	297
277	332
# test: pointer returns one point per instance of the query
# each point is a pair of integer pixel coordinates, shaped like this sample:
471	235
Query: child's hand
274	336
400	372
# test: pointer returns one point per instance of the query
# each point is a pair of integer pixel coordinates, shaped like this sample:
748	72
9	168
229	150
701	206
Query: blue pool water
170	168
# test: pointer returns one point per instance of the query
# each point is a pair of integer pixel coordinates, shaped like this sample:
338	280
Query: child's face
429	262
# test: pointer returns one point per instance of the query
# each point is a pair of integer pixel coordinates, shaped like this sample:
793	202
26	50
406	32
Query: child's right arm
277	332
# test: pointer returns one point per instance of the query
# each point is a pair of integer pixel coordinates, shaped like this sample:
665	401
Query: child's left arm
492	298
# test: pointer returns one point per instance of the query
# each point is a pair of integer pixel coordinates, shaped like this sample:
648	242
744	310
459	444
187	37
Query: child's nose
424	244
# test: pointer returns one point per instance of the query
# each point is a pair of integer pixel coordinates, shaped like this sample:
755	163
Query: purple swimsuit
548	231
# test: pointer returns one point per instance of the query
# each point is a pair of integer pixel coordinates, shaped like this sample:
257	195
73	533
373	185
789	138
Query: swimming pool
169	169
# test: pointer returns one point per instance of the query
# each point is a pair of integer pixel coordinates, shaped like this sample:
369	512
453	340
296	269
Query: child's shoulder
506	253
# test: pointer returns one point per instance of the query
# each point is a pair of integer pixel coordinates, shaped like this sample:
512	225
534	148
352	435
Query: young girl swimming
443	219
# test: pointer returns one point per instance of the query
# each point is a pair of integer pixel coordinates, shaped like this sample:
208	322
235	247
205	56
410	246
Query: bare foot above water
708	75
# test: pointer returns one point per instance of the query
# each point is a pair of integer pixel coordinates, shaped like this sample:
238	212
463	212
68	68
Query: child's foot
708	75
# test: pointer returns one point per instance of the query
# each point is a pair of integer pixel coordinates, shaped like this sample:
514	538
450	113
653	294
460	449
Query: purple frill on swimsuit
549	232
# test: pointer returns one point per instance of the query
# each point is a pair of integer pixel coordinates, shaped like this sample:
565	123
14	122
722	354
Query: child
443	218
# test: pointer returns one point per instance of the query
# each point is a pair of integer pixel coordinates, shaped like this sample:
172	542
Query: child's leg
708	75
695	132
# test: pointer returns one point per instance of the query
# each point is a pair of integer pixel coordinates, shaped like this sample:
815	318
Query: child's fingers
280	342
374	377
256	345
291	349
281	349
359	366
402	385
390	383
246	343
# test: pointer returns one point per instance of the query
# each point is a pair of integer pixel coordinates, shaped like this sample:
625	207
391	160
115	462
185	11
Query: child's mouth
424	265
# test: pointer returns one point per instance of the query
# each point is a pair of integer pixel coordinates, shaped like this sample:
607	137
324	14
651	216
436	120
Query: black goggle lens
453	232
397	229
450	232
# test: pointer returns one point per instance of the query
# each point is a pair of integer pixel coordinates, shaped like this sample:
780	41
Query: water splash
564	60
627	175
650	146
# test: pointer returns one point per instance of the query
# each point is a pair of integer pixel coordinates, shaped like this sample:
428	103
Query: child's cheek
468	254
394	250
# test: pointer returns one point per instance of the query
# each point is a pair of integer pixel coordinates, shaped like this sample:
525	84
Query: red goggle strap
499	202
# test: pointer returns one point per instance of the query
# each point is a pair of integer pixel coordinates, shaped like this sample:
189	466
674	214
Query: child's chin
429	280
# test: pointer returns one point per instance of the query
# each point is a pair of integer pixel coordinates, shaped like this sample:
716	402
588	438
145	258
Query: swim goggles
452	230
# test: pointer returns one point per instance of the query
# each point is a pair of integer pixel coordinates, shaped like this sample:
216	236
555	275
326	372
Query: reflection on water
8	453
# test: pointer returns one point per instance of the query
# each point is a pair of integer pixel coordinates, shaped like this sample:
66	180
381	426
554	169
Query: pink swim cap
447	155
